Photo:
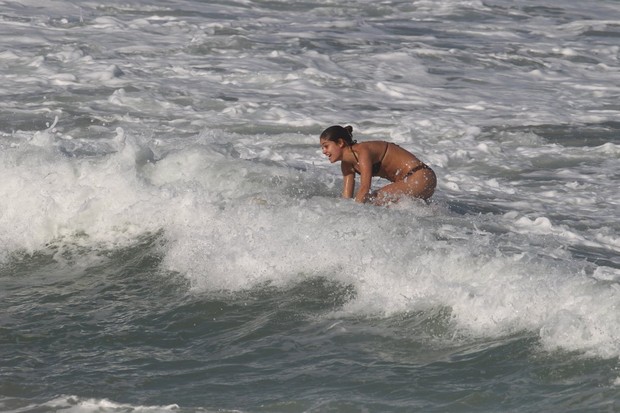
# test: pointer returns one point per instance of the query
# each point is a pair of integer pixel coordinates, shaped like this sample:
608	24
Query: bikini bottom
416	169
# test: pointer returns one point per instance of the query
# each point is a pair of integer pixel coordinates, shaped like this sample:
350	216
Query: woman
410	176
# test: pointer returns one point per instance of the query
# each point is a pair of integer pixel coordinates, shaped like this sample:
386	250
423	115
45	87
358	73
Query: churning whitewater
173	239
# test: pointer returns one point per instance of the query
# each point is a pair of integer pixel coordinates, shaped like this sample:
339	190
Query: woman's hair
333	133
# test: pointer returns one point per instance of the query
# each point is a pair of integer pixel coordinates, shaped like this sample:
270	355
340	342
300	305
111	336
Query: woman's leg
421	185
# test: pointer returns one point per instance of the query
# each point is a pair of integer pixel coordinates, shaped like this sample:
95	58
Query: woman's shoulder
375	142
372	144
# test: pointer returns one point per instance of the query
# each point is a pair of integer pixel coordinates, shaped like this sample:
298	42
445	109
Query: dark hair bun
333	133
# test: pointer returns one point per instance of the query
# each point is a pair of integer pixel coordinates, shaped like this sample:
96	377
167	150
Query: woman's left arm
365	168
348	175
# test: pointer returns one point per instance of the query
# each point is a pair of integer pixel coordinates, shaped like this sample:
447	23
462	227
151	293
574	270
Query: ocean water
172	238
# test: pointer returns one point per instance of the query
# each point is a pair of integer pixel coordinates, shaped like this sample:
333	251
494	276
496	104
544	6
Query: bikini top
376	167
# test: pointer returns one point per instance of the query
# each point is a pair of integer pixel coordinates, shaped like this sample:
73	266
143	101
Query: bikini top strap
354	154
387	144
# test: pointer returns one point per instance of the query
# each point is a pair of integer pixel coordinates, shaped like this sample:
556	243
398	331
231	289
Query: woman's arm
365	167
348	175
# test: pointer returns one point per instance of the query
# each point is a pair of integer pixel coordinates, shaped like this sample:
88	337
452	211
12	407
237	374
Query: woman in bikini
410	176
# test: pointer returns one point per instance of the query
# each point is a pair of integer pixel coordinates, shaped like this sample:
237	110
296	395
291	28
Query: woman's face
333	150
